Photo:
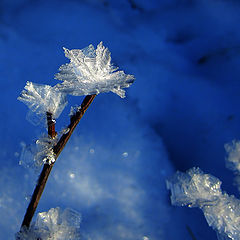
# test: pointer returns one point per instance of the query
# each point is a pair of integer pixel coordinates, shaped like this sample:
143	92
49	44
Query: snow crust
197	189
90	72
43	98
56	224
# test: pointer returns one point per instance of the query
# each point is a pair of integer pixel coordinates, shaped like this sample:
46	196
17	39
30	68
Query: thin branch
73	123
42	180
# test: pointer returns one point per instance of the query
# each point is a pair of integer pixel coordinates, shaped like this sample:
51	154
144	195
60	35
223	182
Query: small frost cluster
42	99
41	152
233	159
196	189
55	224
90	71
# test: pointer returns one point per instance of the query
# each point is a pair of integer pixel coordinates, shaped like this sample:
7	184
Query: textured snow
90	72
56	224
196	189
41	152
42	99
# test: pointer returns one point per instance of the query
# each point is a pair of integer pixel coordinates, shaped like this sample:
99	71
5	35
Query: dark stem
42	180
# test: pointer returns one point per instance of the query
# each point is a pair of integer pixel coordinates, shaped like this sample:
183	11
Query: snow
56	224
90	72
42	99
197	189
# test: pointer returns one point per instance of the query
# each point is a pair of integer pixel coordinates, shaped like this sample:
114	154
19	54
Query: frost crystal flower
43	98
90	72
56	224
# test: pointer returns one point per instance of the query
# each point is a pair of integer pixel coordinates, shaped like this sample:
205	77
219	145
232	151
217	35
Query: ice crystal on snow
196	189
53	225
90	72
233	159
43	98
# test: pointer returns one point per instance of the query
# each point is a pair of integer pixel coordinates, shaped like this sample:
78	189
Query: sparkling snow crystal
53	225
43	98
90	72
196	189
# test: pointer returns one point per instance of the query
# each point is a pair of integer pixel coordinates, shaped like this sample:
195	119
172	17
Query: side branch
73	123
42	180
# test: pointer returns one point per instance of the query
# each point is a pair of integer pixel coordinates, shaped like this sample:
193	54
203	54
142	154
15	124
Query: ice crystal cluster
56	224
41	152
196	189
90	71
42	99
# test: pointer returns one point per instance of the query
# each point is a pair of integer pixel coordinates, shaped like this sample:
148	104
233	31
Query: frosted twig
42	180
74	120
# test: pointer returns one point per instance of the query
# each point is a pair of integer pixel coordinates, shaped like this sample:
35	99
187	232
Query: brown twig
42	180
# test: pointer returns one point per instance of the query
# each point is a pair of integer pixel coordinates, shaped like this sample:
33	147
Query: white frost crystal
196	189
42	99
233	159
90	72
53	225
34	156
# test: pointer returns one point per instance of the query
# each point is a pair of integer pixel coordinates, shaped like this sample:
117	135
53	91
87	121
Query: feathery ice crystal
41	152
90	72
53	225
43	98
196	189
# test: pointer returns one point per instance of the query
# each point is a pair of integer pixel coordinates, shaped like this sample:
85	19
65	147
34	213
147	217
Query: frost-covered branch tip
197	189
90	71
42	99
56	224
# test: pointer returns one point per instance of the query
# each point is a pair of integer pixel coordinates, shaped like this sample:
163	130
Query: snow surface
179	113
